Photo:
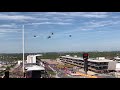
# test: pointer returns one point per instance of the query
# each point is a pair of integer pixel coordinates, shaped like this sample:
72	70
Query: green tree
8	68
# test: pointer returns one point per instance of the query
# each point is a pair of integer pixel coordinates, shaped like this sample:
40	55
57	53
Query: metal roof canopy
34	67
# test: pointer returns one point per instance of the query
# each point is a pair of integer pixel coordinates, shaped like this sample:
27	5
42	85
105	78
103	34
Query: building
34	68
32	58
35	71
96	65
117	58
19	62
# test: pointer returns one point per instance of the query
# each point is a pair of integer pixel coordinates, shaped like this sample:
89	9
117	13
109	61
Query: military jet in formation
52	33
70	35
49	37
34	35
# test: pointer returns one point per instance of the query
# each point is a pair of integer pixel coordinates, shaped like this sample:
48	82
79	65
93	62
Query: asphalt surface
60	73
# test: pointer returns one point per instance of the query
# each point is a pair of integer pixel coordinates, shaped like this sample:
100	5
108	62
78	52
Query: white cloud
16	38
58	17
33	16
9	30
80	14
100	31
55	13
8	25
62	19
62	23
93	25
38	18
95	15
57	23
14	17
6	32
1	33
5	25
89	14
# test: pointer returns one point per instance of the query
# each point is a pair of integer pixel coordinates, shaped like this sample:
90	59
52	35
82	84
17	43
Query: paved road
59	73
16	72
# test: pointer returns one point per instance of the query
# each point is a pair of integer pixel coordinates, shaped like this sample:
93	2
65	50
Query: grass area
2	73
51	72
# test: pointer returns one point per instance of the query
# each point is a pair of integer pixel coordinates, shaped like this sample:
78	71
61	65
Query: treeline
12	57
108	55
54	55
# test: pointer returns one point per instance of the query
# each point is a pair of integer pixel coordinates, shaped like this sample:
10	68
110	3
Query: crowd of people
17	73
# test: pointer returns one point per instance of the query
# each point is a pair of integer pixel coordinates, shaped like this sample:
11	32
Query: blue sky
90	31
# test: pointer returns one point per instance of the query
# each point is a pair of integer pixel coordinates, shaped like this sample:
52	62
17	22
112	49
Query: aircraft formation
50	36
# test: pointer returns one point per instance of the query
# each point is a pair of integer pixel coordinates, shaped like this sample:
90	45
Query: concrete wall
117	66
112	65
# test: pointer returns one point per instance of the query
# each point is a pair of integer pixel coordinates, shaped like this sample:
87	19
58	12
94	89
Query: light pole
23	47
23	35
23	27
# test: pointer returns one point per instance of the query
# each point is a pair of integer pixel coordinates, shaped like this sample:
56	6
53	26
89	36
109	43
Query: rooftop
36	55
